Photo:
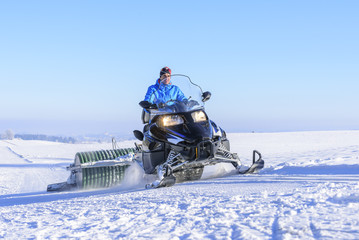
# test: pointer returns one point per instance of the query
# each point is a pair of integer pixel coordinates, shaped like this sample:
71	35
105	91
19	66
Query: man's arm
180	96
148	96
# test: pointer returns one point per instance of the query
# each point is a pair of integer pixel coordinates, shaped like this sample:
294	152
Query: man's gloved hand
161	105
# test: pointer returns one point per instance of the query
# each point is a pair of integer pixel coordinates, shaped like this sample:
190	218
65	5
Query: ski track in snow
19	155
309	189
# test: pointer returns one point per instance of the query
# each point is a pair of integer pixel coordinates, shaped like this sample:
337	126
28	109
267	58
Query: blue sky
80	67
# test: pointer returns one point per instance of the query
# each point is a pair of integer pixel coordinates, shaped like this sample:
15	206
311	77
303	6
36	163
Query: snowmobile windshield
186	96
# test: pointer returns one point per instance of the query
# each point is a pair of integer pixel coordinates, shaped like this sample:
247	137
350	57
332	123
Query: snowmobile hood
188	132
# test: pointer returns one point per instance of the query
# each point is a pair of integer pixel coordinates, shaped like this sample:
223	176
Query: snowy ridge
309	189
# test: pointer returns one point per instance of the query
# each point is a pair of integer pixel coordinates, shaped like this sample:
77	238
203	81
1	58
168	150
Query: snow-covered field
309	189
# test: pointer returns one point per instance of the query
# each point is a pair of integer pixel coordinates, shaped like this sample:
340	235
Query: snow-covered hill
309	189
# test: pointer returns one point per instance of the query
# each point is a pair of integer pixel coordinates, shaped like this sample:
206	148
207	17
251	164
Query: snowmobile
178	140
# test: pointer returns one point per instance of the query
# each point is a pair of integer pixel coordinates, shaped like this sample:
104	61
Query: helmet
165	70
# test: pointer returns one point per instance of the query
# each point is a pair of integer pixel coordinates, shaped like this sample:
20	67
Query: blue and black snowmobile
177	142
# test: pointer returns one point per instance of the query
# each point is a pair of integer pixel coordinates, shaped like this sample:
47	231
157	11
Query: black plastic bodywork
193	140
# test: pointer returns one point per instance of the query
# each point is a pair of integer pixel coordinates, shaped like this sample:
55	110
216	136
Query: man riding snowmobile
177	142
163	90
178	139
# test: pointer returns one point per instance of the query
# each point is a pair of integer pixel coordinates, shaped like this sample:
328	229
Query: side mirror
206	96
138	134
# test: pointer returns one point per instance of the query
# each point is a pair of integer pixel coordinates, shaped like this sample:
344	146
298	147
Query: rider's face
166	78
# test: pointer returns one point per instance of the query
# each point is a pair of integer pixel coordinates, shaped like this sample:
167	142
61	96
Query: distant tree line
45	138
8	134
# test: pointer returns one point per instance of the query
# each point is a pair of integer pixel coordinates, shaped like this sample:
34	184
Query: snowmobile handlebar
147	105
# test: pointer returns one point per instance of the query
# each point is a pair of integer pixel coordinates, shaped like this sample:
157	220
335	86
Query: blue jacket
161	92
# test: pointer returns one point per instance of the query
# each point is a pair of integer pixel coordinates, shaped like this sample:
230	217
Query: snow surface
309	189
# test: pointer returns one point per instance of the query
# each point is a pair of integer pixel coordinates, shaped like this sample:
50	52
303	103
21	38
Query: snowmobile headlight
171	120
199	116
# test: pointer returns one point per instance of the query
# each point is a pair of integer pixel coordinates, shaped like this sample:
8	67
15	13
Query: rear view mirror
206	96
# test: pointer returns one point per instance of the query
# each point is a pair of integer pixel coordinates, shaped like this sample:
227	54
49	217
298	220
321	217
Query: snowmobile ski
256	165
167	181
